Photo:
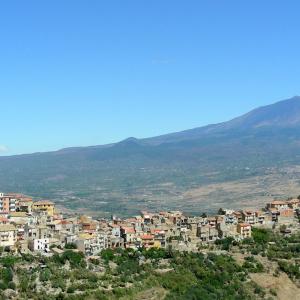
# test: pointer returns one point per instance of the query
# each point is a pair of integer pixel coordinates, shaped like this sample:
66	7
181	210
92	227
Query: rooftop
244	225
18	214
7	227
43	202
278	202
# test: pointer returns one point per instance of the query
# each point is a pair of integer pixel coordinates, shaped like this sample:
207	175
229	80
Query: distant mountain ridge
285	113
140	173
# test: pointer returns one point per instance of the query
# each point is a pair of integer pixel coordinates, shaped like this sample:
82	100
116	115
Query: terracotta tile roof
244	225
278	202
157	231
128	229
237	213
65	222
147	237
131	220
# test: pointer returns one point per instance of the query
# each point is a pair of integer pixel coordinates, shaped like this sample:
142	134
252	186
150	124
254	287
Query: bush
11	285
273	292
75	258
253	265
8	261
70	246
129	267
71	290
155	253
45	275
6	275
225	243
3	286
107	254
261	235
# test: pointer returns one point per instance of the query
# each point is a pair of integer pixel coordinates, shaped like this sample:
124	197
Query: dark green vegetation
162	274
154	173
125	274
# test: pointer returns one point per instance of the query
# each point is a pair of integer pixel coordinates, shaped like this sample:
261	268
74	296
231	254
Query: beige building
278	204
25	205
8	236
244	230
44	205
294	203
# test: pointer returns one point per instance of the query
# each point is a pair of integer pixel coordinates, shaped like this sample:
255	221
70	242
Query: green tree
45	275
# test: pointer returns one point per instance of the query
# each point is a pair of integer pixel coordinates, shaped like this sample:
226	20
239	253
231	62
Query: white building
41	245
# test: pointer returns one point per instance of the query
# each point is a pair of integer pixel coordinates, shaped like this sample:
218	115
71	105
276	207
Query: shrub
71	290
225	243
6	275
107	254
70	246
3	286
273	292
45	275
75	258
155	253
11	285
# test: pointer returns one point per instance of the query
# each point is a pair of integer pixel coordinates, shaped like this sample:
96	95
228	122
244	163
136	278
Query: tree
6	274
221	211
45	275
70	246
282	228
107	254
225	243
261	236
75	258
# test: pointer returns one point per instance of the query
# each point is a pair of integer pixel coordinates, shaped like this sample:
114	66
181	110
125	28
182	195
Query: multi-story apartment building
92	244
7	203
40	245
278	204
8	236
244	230
44	205
207	233
249	216
24	204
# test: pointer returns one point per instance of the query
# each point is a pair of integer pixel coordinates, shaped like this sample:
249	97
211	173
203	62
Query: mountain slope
159	172
283	114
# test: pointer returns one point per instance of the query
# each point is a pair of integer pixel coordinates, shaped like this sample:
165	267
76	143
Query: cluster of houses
37	227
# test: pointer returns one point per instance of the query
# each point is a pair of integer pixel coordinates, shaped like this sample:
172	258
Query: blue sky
75	73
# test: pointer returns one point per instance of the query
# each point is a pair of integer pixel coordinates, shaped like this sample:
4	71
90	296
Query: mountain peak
131	141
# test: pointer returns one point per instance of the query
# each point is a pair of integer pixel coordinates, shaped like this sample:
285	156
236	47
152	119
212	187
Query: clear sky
75	73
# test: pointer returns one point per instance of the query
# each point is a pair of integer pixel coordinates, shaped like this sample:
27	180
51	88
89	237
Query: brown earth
156	293
285	288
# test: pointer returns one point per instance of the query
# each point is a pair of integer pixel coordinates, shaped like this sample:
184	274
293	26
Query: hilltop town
29	226
45	254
